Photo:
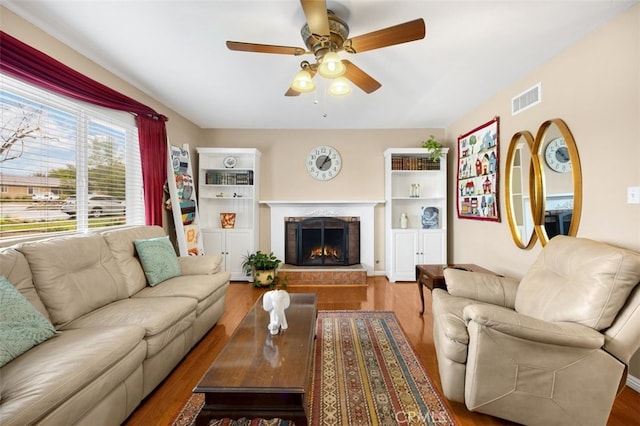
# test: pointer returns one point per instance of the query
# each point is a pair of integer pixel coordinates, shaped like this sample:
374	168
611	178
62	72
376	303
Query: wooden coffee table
432	276
257	375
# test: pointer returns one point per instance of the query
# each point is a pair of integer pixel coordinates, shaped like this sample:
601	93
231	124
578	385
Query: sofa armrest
488	288
514	324
200	265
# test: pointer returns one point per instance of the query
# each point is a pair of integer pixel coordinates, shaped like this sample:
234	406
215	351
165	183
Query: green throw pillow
22	326
158	259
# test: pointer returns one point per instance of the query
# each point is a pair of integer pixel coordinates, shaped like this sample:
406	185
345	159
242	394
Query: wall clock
323	162
556	155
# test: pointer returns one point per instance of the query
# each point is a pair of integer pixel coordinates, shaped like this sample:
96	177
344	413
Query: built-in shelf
222	190
415	211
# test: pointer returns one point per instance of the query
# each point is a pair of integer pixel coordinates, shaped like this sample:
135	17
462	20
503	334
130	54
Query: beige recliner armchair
552	349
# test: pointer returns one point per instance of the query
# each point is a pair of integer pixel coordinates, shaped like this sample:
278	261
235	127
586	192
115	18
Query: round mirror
559	181
520	179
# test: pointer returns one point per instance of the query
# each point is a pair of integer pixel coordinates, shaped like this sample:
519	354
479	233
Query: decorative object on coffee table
276	302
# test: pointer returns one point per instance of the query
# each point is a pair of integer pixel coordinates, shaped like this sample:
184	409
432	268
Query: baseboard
633	383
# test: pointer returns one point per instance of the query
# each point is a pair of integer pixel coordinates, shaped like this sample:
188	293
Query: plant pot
264	277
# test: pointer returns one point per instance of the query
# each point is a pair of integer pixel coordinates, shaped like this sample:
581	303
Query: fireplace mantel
363	209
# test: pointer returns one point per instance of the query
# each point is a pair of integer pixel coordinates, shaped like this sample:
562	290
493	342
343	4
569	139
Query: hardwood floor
166	401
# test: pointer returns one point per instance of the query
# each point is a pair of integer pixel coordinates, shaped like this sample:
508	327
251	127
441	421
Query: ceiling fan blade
291	92
402	33
316	13
265	48
360	78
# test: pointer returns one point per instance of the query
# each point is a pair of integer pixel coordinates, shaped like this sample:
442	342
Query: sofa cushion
205	289
162	318
120	242
14	266
61	368
158	258
21	325
74	275
578	280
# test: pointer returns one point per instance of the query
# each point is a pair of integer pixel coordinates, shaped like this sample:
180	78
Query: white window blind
65	165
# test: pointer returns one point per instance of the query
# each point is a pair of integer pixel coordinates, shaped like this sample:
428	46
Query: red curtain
28	64
154	164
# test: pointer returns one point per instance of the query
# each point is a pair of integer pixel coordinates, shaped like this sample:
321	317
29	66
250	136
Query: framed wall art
478	164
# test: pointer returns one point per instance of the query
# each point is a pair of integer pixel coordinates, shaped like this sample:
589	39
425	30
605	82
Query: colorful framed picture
478	164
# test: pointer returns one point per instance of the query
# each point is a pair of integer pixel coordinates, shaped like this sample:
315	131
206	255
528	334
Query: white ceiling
174	50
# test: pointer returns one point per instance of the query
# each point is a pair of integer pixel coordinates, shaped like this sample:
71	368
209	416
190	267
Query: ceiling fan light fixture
340	87
302	82
331	66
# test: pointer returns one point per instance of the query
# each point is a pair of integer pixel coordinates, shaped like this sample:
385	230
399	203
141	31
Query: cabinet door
238	245
214	243
404	252
432	251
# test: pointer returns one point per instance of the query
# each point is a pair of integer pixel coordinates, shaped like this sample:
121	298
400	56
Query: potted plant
434	147
263	267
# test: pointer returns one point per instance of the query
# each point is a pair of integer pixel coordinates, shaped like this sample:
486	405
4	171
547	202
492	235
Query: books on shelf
413	162
223	177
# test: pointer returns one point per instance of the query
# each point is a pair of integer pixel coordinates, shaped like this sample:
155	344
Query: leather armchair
551	349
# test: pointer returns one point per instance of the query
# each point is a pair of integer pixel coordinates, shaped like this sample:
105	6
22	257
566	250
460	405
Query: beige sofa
117	339
550	349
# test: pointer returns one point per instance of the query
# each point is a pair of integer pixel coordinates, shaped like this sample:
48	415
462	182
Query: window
65	165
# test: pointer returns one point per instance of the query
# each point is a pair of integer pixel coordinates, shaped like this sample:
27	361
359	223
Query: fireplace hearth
322	241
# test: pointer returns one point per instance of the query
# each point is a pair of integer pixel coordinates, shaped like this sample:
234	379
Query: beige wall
594	86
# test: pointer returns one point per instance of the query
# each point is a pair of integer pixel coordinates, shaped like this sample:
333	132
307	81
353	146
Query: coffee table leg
300	419
421	290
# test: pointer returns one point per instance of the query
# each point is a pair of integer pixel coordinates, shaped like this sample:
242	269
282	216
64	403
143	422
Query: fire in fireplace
322	241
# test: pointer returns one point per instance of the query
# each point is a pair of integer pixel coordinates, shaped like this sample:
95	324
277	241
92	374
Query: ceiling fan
324	35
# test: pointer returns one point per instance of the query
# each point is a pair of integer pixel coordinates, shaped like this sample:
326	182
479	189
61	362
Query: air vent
526	99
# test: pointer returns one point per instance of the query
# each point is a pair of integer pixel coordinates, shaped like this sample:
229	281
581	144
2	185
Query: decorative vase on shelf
275	302
227	220
404	221
415	190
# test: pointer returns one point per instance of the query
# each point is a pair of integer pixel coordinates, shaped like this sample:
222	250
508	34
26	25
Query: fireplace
322	241
281	210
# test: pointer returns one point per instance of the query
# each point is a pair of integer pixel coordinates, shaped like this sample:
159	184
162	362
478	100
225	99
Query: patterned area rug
365	373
